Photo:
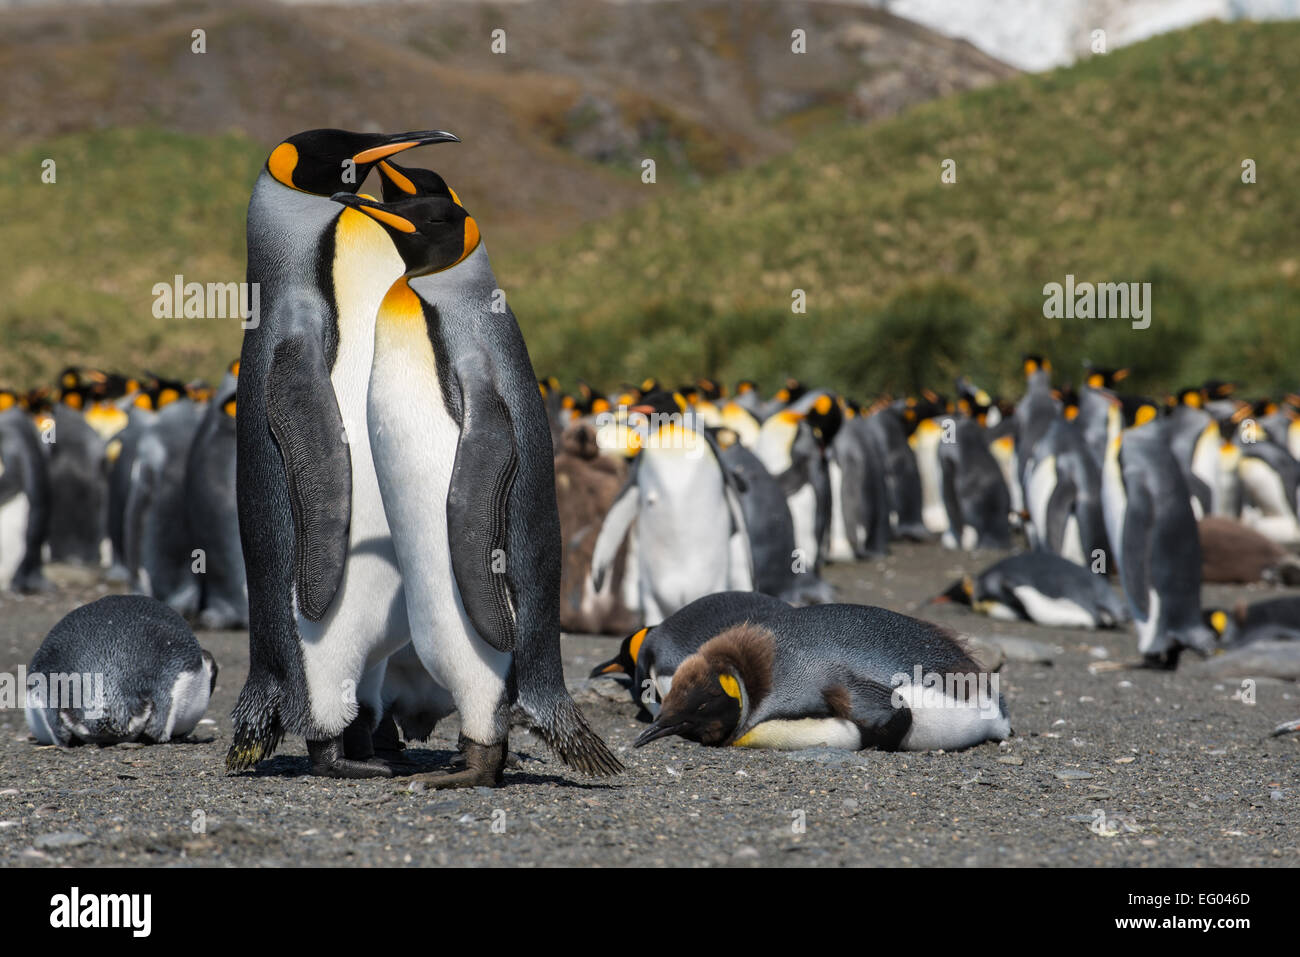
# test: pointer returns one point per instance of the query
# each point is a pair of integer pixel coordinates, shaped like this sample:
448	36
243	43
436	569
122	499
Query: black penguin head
704	705
431	233
623	663
405	182
962	592
1100	377
325	162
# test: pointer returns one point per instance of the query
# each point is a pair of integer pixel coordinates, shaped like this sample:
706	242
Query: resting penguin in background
902	477
1153	539
78	484
156	680
769	528
691	535
860	521
464	460
159	547
789	450
24	503
213	510
975	496
1277	619
1043	588
586	484
1232	553
648	658
838	676
1063	495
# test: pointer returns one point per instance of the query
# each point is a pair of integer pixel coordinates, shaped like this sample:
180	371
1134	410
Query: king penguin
143	676
24	503
213	515
463	455
1043	588
1154	543
648	658
840	676
324	592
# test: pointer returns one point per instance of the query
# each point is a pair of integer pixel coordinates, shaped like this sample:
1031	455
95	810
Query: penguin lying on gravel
123	668
647	659
1275	620
1043	588
1234	553
843	676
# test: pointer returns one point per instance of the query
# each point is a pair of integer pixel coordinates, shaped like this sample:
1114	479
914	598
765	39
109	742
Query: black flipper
305	420
477	508
1060	505
871	707
1136	551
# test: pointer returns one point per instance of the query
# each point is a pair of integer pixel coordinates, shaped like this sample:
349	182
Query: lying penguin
123	668
1041	587
1234	553
647	659
841	676
1277	619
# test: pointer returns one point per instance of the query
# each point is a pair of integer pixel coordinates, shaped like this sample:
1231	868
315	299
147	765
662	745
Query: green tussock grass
1126	167
129	208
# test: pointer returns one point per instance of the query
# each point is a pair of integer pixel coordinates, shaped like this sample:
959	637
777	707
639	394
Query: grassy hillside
83	253
1124	168
156	145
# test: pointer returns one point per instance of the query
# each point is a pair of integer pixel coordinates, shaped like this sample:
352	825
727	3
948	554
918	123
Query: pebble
1073	774
61	839
1013	759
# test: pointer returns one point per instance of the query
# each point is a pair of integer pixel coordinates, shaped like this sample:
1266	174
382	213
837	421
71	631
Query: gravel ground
1113	768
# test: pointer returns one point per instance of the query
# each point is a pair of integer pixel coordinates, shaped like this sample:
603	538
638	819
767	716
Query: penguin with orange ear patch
648	658
325	603
840	676
464	459
212	510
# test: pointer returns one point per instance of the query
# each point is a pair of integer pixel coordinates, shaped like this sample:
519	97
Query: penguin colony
405	517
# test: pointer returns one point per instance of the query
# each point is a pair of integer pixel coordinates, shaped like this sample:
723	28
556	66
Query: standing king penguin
324	593
462	450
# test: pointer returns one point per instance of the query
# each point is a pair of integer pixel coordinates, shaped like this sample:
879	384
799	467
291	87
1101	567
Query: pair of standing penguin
394	476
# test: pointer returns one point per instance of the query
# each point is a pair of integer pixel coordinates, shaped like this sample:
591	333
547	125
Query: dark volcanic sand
1184	773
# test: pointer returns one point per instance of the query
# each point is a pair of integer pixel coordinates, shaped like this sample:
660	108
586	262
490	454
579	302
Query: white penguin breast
189	699
13	536
1055	612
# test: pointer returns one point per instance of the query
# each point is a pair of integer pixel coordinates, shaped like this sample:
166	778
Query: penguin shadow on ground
522	769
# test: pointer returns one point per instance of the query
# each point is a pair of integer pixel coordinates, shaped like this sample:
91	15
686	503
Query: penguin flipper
1060	505
478	514
307	425
613	529
881	722
1137	537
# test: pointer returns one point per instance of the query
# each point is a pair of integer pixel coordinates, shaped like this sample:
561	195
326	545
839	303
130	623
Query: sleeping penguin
123	668
647	658
1043	588
841	676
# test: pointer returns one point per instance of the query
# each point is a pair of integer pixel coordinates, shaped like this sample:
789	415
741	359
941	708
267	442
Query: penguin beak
655	732
399	142
375	211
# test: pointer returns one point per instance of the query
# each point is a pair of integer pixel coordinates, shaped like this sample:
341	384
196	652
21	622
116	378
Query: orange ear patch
282	162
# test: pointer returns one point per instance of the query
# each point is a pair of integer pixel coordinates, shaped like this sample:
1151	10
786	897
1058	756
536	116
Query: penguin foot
327	761
484	764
